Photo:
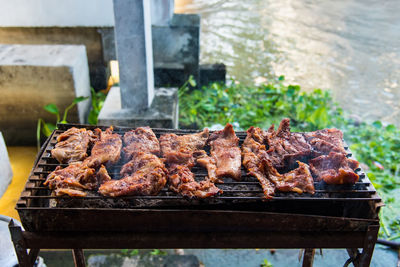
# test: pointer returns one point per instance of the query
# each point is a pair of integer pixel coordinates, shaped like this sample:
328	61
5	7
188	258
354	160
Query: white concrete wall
71	13
61	13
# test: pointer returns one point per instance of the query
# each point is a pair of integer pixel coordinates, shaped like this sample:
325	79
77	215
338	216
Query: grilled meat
106	150
70	192
80	176
325	141
179	153
142	139
72	145
77	177
102	175
226	152
286	148
179	149
209	163
182	180
334	168
144	175
256	159
253	153
298	180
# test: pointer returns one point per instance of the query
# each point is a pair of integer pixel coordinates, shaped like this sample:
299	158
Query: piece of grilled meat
142	139
325	141
72	145
72	180
253	154
209	163
180	156
80	176
106	150
145	174
179	149
335	168
298	180
260	161
286	148
226	152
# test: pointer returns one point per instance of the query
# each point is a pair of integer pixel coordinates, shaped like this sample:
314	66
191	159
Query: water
349	46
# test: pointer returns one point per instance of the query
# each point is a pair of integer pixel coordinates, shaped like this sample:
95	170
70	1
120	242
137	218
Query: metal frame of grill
334	217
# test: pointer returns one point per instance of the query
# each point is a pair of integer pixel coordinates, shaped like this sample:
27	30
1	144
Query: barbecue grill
336	216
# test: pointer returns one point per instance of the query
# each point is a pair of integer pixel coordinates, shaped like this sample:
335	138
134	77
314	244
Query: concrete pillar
162	11
134	52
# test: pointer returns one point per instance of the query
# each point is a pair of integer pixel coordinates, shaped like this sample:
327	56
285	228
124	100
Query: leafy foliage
129	252
158	252
266	263
46	128
98	99
375	145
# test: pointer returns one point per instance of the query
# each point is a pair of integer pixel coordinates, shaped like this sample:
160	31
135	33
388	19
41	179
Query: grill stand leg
79	258
25	259
308	257
363	259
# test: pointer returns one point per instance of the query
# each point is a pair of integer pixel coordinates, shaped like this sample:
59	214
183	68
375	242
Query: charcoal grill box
344	216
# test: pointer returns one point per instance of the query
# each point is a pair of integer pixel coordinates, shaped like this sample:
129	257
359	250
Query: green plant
46	128
375	145
158	252
129	253
98	99
266	263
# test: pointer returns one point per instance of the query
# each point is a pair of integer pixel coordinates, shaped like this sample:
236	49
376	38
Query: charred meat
253	153
226	152
325	141
298	180
142	139
145	174
286	148
76	177
209	163
179	153
257	160
72	145
182	180
106	150
179	149
334	168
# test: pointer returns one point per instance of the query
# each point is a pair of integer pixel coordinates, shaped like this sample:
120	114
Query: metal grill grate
247	190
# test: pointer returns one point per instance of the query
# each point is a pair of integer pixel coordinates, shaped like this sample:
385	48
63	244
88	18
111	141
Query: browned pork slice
286	148
145	174
106	150
326	141
253	153
180	154
75	177
226	152
142	139
298	180
335	168
179	149
72	145
182	180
